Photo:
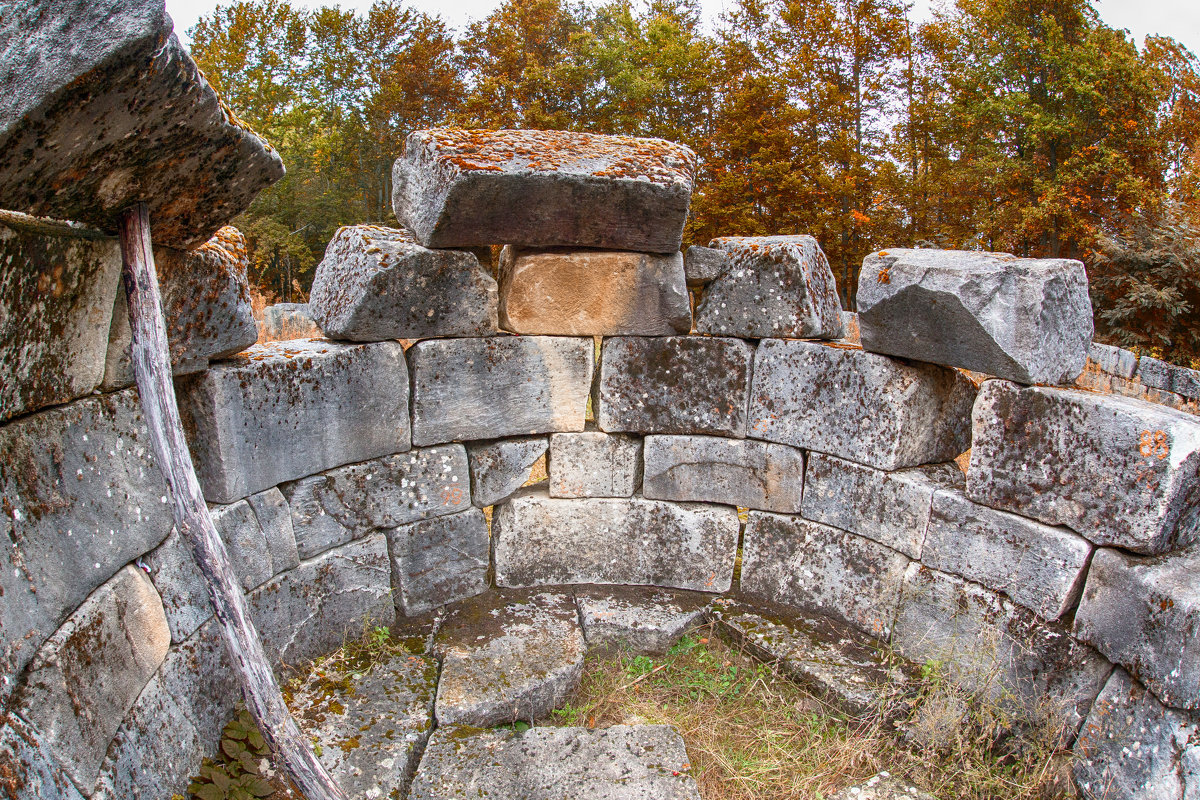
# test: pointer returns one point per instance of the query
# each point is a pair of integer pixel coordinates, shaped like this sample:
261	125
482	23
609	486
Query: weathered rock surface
883	786
500	468
1113	360
771	286
736	472
538	540
90	672
1116	470
1024	319
438	561
377	283
1144	614
1169	377
284	321
674	384
636	619
348	502
864	407
56	289
274	519
105	108
29	768
206	305
891	508
844	666
1038	566
465	389
821	570
564	292
703	265
1133	748
507	657
282	411
457	188
594	464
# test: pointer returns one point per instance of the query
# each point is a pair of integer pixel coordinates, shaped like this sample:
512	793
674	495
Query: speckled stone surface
594	464
883	786
637	619
438	561
735	472
501	467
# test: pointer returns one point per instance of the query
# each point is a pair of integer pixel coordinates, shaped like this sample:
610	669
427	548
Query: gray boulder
457	188
438	561
500	468
860	406
594	464
1118	471
771	286
703	265
736	472
1024	319
28	764
637	620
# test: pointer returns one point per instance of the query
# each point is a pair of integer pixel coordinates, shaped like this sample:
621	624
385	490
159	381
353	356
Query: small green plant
237	771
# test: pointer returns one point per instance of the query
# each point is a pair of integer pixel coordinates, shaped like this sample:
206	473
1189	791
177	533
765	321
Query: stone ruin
349	476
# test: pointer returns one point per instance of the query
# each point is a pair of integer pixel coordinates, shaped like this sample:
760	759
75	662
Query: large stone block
28	768
637	620
1038	566
1113	360
457	188
593	293
500	468
538	540
864	407
284	321
1024	319
1169	377
594	464
1116	470
377	283
284	410
674	384
736	472
771	286
438	561
105	108
821	570
465	389
1144	614
57	285
891	508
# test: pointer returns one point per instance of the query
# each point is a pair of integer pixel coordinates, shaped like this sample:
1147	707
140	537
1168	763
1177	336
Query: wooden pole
152	368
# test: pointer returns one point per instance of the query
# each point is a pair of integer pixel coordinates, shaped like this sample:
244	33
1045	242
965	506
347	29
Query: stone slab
284	410
594	464
538	540
1113	360
500	468
674	384
28	767
284	321
703	265
883	786
377	283
507	657
1024	319
860	406
736	472
564	292
637	620
438	561
460	188
106	108
1169	377
1118	471
771	286
493	388
794	562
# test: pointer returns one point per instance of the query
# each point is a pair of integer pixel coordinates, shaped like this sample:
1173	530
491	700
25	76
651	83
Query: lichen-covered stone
891	508
1036	565
104	108
1169	377
883	786
1118	471
594	464
507	657
821	570
500	468
1144	614
1113	360
377	283
771	286
1024	319
703	265
860	406
637	620
281	411
465	389
674	384
459	188
736	472
538	540
438	561
285	321
564	292
28	767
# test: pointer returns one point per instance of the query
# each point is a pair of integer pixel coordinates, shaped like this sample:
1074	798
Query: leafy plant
237	773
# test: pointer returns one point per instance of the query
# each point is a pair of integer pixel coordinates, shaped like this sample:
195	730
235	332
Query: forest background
1025	126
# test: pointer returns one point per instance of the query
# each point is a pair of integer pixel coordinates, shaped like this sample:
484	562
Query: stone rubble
594	464
736	472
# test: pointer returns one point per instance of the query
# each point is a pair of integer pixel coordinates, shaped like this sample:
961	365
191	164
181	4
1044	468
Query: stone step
637	618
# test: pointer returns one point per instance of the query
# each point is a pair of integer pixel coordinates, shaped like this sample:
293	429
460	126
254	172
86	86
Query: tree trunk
152	369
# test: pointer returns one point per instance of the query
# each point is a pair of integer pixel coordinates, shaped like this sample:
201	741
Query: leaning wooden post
152	368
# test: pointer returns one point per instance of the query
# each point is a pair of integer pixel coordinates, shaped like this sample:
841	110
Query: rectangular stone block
821	570
1037	566
703	265
674	384
438	561
500	468
465	389
284	321
538	540
1169	377
736	472
1113	360
860	406
1118	471
284	410
594	464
